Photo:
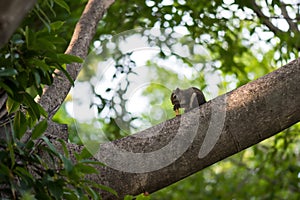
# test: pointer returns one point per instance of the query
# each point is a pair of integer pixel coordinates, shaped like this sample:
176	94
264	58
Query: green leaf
39	63
28	196
86	169
91	192
29	144
33	106
50	145
56	188
56	25
142	197
67	58
12	105
4	170
69	194
44	43
37	78
6	88
63	4
39	129
67	74
8	72
42	16
42	111
108	189
23	172
29	37
64	146
84	154
128	197
93	162
68	164
19	125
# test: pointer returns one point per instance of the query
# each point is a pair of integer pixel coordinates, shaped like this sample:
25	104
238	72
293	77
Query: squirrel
187	98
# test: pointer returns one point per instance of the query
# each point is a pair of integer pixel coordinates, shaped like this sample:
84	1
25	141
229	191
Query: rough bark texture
254	112
11	14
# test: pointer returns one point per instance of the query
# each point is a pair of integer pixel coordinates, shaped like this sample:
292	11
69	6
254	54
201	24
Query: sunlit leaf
12	105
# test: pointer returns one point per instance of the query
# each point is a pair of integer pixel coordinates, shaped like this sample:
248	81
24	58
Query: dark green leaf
40	63
67	74
44	44
64	146
68	164
4	170
91	192
108	189
33	106
50	145
6	88
8	72
56	188
29	144
29	37
42	111
63	4
42	16
39	129
19	125
37	78
23	172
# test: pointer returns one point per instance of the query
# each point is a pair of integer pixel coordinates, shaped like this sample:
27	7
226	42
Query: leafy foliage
27	174
28	63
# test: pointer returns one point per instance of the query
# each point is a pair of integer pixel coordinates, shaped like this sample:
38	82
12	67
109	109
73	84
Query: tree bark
220	128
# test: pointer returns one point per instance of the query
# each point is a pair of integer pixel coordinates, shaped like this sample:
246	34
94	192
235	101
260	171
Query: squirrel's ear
194	100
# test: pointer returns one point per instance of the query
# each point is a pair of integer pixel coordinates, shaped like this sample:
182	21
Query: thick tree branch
254	112
11	14
83	34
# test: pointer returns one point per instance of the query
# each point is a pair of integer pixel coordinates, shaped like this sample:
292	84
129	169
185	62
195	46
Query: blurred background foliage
222	44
